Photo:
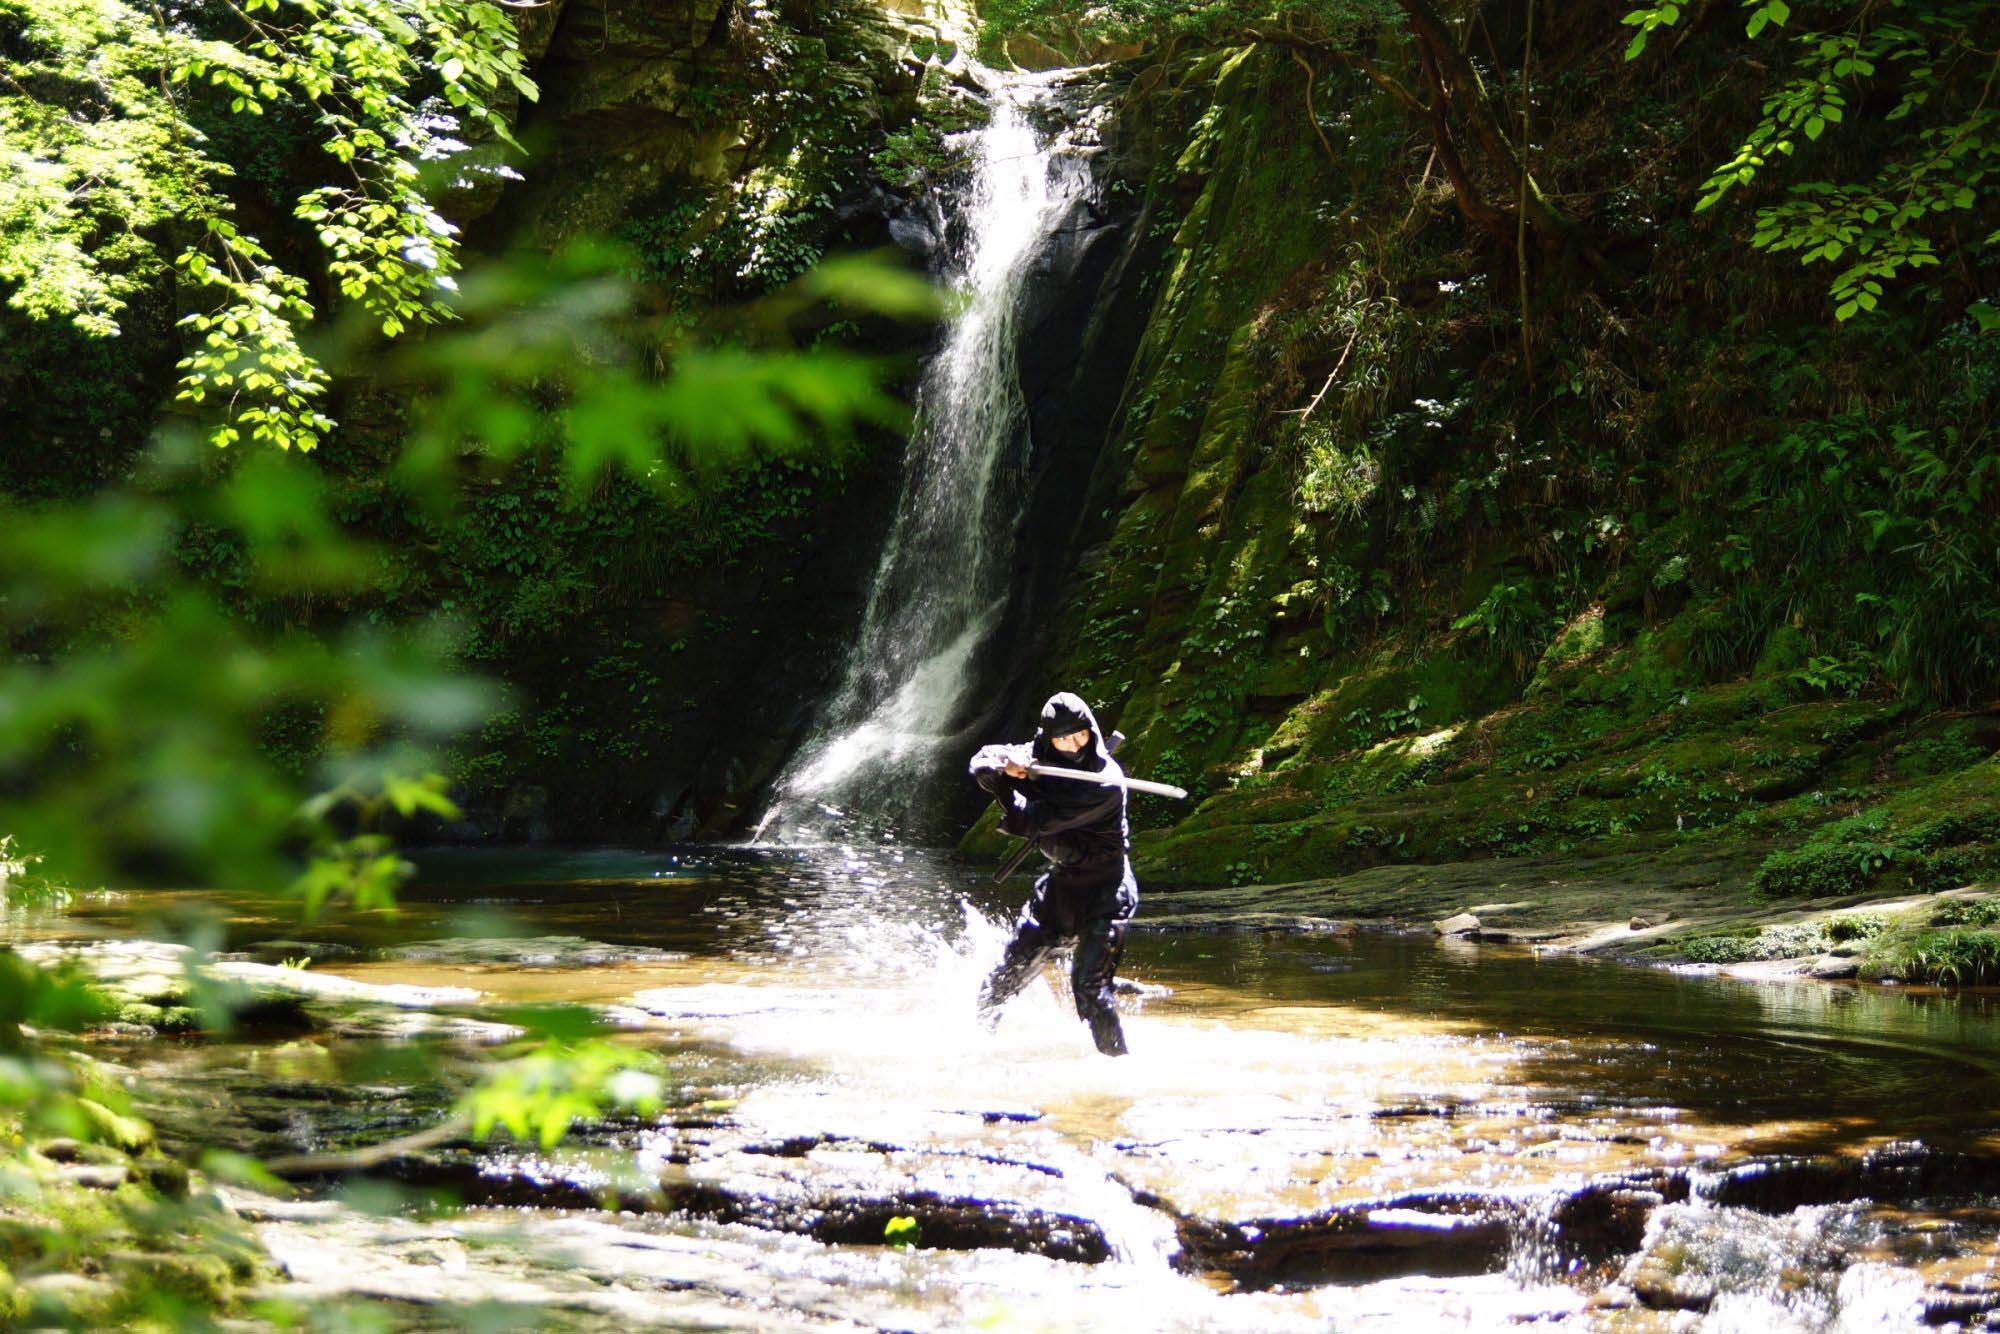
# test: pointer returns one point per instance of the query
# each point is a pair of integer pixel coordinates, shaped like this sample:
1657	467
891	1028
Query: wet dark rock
1662	1282
1605	1220
1261	923
1430	1234
65	1150
1956	1305
801	1197
1895	1174
279	951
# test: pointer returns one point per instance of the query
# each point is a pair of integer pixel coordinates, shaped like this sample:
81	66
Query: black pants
1090	911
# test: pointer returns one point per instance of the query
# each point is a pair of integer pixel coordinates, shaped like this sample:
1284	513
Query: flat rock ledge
149	985
1245	923
832	1191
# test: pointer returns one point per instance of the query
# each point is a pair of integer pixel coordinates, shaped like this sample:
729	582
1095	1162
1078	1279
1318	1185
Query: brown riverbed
1376	1130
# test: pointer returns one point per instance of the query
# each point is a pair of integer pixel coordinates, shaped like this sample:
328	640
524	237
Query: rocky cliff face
728	145
1337	572
1290	520
734	144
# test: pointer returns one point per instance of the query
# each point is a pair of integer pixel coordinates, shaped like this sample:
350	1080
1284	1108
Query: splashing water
940	587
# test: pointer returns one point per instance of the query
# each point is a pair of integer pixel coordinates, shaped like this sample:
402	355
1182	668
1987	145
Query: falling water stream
940	586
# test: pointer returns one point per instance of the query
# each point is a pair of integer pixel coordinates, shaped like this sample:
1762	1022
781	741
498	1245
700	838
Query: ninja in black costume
1088	894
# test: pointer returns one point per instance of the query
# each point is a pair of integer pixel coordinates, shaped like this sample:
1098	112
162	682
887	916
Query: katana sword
1130	784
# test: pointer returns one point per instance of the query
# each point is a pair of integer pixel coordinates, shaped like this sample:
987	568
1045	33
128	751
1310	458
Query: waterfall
942	582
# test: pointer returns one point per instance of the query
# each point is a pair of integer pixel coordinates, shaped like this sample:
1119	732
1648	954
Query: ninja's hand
990	758
1014	770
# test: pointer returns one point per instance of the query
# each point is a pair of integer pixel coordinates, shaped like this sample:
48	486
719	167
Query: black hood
1065	713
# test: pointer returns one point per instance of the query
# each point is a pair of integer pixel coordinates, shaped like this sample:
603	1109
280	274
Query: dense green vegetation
232	657
1488	499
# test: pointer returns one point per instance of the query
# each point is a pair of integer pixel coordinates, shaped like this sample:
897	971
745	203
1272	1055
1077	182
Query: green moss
1952	956
1980	912
1787	941
165	1018
126	1132
1932	834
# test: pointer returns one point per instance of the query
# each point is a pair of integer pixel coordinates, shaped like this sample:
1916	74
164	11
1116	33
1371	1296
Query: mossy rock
15	1303
1932	834
200	1276
1952	956
70	1301
168	1177
106	1126
162	1018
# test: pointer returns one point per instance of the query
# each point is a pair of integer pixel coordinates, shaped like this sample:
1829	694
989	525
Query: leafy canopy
1932	64
108	182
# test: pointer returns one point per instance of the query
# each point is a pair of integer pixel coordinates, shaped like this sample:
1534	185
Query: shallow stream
1315	1129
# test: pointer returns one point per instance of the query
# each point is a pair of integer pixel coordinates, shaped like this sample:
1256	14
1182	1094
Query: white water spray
941	584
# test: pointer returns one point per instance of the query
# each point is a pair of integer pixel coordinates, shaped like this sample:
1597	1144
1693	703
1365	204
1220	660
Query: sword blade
1130	784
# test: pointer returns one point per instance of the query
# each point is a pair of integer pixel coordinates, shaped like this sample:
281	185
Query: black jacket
1078	826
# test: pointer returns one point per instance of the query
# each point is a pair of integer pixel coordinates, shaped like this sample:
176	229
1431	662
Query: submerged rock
1267	923
148	985
533	952
281	951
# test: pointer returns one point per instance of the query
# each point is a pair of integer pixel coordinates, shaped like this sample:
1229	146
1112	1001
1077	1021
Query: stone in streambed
1429	1234
146	984
1461	924
311	985
278	951
834	1190
1663	1280
1267	923
533	952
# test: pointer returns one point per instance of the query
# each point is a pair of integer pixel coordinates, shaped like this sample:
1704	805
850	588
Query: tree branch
1332	158
373	1155
1458	83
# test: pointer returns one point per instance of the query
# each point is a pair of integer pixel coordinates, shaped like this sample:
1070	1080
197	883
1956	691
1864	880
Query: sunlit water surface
1447	1097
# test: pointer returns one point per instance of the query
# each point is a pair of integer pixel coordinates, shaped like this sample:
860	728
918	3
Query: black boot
1107	1032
